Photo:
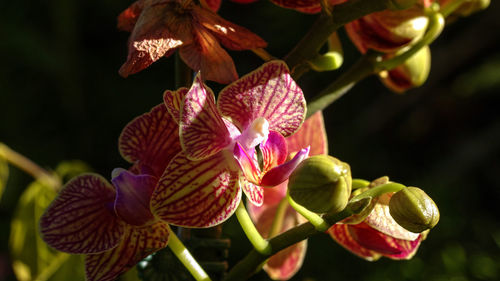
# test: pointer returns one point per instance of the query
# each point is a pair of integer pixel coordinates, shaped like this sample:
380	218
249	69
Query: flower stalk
182	253
260	244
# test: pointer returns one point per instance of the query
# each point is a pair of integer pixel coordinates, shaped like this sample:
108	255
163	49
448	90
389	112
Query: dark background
61	98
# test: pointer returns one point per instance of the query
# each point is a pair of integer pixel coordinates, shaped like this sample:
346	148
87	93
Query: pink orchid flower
377	235
201	186
112	223
159	27
284	264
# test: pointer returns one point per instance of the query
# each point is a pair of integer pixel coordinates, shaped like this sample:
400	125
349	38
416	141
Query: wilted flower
305	6
377	235
112	223
201	186
160	26
284	264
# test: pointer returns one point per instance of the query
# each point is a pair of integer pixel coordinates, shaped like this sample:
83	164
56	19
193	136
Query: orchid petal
340	233
203	133
232	36
79	219
213	5
133	193
128	18
197	193
137	244
313	133
381	220
268	92
207	56
156	34
282	172
247	164
284	264
173	101
274	151
254	193
304	6
151	140
386	245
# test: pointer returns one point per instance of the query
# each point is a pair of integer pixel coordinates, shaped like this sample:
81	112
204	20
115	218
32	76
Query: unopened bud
412	73
321	184
414	210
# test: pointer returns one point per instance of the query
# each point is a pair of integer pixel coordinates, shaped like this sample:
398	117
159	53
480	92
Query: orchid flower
160	26
305	6
201	186
389	31
377	235
112	223
284	264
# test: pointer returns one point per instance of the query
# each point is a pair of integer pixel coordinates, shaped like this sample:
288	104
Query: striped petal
133	193
268	92
284	264
81	218
231	35
173	101
383	244
197	193
274	151
312	133
341	234
381	220
282	172
150	140
202	130
254	193
247	164
137	244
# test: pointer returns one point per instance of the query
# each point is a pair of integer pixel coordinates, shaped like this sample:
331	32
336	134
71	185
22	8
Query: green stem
316	220
29	167
182	253
246	267
278	218
260	244
325	25
451	7
359	183
379	190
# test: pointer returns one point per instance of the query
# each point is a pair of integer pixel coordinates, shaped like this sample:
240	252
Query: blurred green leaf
4	173
32	258
130	275
69	169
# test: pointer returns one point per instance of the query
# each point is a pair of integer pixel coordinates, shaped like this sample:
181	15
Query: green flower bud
414	210
321	184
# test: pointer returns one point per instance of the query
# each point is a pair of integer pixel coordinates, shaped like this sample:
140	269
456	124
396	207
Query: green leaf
70	169
32	258
4	173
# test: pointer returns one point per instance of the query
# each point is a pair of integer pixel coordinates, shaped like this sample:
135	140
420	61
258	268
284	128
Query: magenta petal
133	193
281	173
274	151
202	130
197	193
150	140
247	165
268	92
78	221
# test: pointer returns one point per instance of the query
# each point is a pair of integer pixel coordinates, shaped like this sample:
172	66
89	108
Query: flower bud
321	184
414	210
412	73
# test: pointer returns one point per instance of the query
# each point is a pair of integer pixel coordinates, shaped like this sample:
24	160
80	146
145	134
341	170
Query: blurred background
61	99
